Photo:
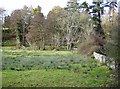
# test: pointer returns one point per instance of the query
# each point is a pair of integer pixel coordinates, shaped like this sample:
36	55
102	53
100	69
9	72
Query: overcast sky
46	5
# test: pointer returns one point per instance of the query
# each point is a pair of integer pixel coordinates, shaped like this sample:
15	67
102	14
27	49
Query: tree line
77	26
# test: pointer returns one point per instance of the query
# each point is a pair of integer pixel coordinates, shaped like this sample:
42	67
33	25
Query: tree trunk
18	43
43	41
23	36
69	39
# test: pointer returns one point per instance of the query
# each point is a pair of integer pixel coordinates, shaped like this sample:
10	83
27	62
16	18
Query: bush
87	48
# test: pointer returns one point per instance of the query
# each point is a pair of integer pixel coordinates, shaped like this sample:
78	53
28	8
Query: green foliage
29	68
7	22
72	5
9	43
112	37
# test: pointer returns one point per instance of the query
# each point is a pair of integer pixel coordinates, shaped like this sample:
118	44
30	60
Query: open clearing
26	68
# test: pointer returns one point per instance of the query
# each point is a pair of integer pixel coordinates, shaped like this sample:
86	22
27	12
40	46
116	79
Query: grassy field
30	68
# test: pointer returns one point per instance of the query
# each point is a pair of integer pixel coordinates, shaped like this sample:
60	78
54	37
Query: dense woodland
78	26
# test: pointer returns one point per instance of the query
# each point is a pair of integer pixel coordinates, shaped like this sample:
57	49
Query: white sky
46	5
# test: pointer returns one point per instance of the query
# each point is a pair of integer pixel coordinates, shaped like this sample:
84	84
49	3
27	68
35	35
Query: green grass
53	78
37	68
